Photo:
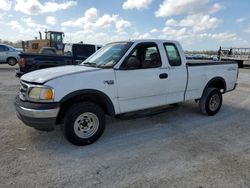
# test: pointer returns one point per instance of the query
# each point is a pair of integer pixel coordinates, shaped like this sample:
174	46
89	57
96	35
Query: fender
90	92
214	80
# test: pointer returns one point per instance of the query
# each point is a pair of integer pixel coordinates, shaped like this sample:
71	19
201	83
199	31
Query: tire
211	101
12	61
84	123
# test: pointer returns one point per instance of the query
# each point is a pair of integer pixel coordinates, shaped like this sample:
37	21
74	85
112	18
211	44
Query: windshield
108	55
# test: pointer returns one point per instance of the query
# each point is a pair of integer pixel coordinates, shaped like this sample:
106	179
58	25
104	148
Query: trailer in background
240	55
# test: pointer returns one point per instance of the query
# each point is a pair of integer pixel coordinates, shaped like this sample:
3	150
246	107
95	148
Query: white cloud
22	32
135	4
91	22
247	30
215	8
154	30
184	35
5	5
51	20
15	25
121	25
90	16
34	7
26	29
32	24
177	7
106	20
137	35
200	22
175	34
171	22
224	36
94	38
241	19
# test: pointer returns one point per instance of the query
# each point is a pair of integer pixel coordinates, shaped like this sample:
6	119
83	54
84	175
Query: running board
148	112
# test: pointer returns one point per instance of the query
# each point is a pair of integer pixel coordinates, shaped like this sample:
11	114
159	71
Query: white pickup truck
120	78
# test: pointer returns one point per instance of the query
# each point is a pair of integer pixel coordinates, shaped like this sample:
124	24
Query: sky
197	24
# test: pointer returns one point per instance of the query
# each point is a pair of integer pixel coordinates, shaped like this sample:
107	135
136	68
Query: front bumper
41	116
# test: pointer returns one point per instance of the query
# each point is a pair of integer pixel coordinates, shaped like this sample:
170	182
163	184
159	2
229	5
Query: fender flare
218	78
90	92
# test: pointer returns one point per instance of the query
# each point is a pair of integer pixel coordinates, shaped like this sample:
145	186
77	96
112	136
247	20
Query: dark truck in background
73	55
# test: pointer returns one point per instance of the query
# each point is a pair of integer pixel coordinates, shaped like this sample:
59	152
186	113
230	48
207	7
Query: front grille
23	91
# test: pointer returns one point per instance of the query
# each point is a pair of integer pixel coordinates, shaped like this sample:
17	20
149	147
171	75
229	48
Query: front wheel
211	101
84	123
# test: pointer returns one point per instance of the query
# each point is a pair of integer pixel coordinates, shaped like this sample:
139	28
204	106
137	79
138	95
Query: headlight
41	94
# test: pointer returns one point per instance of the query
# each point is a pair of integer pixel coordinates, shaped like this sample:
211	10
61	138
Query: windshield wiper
104	66
90	64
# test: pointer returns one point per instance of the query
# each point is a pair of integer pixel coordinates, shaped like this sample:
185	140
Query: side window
173	54
146	55
7	48
3	48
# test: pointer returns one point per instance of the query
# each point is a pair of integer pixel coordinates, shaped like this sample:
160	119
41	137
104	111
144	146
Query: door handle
163	76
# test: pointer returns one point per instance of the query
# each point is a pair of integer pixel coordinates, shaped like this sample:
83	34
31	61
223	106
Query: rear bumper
39	116
235	85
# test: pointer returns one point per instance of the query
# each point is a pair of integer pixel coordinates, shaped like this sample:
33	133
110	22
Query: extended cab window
173	54
144	55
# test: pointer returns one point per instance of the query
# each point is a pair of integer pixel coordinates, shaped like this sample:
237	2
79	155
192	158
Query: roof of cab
146	40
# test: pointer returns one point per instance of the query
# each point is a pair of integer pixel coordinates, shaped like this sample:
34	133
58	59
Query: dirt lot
176	149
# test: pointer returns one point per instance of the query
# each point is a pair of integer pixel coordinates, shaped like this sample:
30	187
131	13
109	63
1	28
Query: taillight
21	62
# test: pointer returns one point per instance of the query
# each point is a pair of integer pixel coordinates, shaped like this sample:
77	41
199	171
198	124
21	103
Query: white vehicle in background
120	78
9	54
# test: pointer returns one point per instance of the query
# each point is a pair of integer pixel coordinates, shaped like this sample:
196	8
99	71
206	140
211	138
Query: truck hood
44	75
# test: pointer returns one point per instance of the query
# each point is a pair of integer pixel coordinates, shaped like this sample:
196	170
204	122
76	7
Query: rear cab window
68	49
84	51
173	54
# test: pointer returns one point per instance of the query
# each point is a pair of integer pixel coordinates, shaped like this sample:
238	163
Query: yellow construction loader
52	44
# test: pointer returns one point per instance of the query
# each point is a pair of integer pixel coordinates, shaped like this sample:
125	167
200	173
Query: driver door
144	84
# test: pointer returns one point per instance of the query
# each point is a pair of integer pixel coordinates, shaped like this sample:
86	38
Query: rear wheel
12	61
211	101
84	123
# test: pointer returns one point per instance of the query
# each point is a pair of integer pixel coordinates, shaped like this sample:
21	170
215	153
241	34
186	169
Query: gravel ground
175	149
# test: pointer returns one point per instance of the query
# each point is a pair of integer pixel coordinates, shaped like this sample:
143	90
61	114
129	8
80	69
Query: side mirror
132	63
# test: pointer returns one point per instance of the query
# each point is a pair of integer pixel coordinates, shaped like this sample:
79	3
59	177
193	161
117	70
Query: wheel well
218	83
11	58
104	102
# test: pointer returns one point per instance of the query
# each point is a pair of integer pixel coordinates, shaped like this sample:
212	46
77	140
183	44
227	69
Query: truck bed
29	62
199	73
207	62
